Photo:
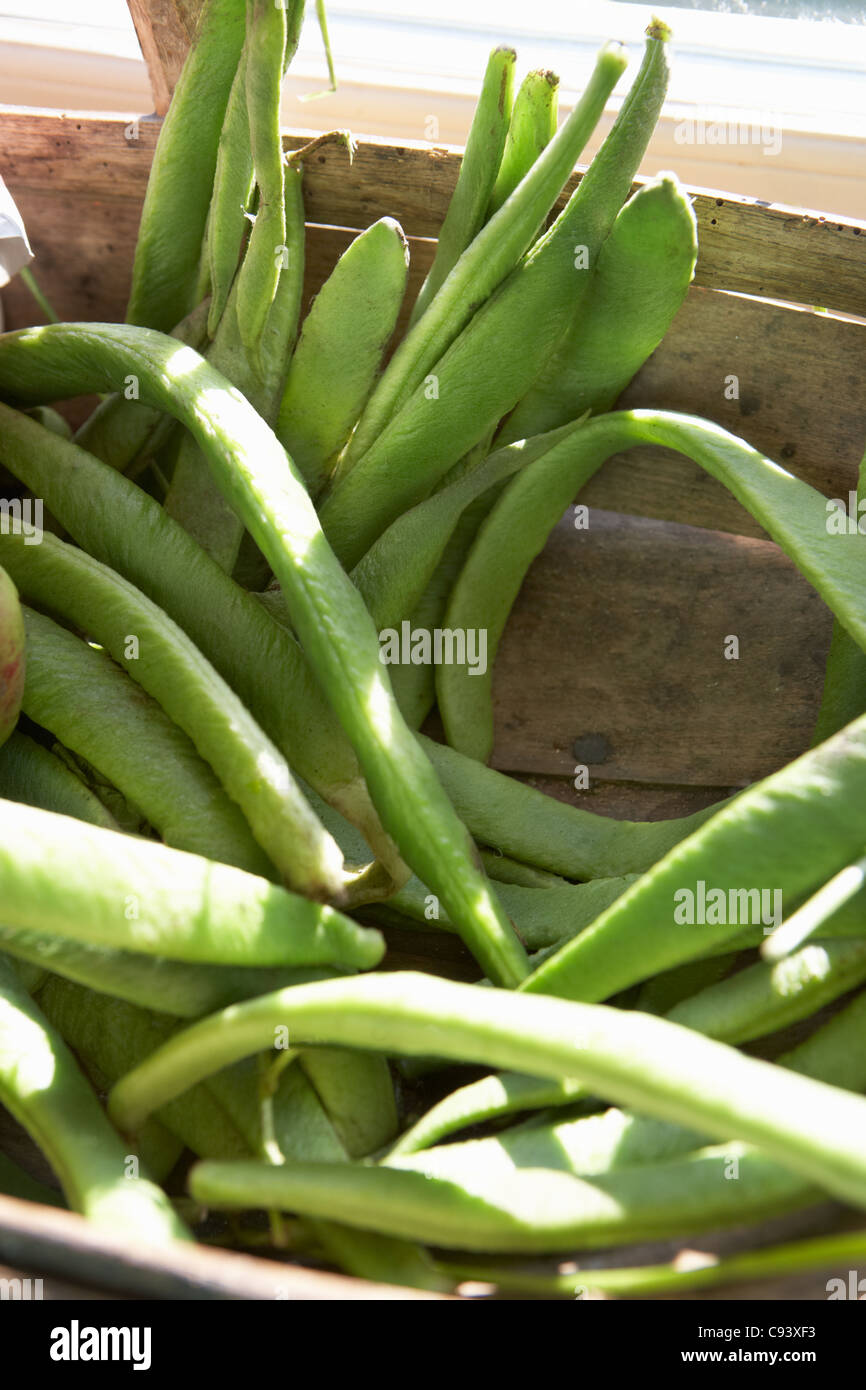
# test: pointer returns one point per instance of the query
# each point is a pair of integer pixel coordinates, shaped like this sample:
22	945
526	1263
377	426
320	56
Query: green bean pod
530	131
340	349
815	1130
501	351
844	695
121	429
193	497
110	1036
152	982
161	658
259	273
42	1087
476	180
550	834
87	702
640	280
778	1261
36	776
68	879
332	622
232	190
518	526
357	1092
782	836
12	656
127	530
173	219
488	259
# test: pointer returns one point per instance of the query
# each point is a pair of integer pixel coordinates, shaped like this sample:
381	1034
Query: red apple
11	656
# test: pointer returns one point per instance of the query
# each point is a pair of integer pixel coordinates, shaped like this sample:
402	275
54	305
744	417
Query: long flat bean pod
498	1207
122	526
844	695
530	130
817	1131
639	282
110	1036
489	258
779	1261
784	836
515	531
69	879
161	658
152	982
12	656
259	273
36	776
550	834
232	188
167	253
499	354
749	1005
332	622
88	703
478	170
340	349
43	1088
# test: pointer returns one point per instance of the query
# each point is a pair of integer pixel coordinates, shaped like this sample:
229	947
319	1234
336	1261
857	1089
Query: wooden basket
614	656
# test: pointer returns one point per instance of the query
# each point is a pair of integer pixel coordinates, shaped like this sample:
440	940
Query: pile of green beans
248	908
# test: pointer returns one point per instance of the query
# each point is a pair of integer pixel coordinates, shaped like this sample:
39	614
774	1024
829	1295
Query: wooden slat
617	640
165	29
746	246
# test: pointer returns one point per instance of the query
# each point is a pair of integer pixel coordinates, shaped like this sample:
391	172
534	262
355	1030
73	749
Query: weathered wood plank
165	29
746	246
614	657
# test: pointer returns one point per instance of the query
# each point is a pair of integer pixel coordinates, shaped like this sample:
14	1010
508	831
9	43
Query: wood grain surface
746	245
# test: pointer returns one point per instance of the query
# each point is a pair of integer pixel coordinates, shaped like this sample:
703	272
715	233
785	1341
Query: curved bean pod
488	259
69	879
639	282
530	131
110	1036
499	354
232	189
844	695
339	352
122	526
173	219
756	1001
816	1130
477	177
518	1211
550	834
515	531
135	745
152	982
34	775
786	834
42	1087
259	273
170	668
12	656
332	622
794	1257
